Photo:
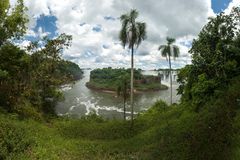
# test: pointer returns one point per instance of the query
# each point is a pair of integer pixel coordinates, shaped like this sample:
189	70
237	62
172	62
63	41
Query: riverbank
138	88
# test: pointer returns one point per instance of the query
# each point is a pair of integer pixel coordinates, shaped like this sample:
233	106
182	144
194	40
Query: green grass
90	137
160	133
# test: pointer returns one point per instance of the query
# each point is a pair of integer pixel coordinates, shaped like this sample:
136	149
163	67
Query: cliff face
148	80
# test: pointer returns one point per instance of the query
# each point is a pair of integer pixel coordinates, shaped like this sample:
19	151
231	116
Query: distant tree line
113	74
110	79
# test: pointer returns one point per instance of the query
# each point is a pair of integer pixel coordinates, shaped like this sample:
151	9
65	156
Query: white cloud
234	3
23	44
182	19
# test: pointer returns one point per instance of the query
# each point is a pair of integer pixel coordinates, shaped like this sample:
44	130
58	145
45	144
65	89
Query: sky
95	26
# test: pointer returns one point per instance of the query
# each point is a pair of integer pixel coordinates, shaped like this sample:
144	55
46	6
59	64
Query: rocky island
109	79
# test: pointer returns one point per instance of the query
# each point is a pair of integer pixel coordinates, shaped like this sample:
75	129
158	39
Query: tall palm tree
132	34
169	50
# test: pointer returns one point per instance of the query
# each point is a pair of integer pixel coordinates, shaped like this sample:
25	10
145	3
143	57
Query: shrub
13	139
26	110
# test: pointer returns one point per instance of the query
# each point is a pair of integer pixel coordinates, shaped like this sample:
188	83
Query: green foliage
90	137
215	53
111	79
236	138
212	134
202	90
13	68
25	109
12	21
34	78
29	83
114	74
71	70
14	139
210	90
95	128
3	74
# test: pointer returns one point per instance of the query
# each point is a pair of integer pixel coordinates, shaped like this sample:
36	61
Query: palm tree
132	34
123	91
169	50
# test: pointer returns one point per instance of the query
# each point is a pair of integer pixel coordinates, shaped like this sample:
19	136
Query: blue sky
220	5
48	24
95	29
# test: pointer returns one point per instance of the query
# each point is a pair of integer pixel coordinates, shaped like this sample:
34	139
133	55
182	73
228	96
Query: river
80	101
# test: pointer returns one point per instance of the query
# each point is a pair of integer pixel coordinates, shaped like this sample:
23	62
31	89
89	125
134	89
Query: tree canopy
13	21
215	59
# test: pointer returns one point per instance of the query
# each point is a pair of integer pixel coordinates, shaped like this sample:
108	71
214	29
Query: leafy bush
26	110
95	127
14	139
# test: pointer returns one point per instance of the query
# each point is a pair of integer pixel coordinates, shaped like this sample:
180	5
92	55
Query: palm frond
124	17
123	37
169	49
142	35
123	32
165	52
170	40
176	52
133	14
161	47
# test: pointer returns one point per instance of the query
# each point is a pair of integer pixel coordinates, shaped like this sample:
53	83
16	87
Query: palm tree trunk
132	72
124	108
170	67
